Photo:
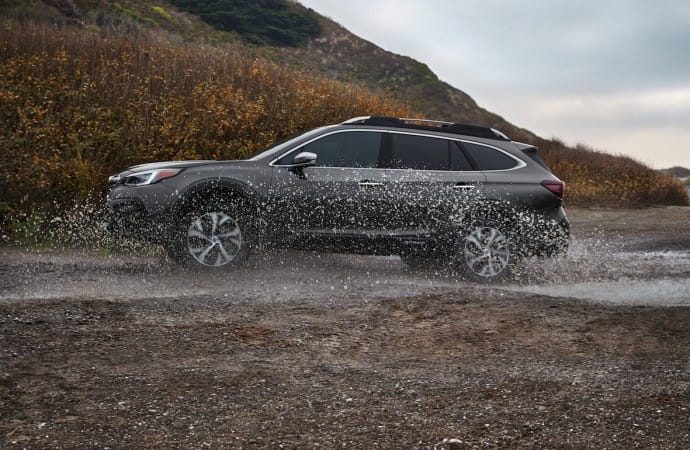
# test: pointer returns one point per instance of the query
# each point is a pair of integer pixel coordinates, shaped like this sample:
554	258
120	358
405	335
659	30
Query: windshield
284	145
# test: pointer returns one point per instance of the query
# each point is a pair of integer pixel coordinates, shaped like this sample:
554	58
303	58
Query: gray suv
432	192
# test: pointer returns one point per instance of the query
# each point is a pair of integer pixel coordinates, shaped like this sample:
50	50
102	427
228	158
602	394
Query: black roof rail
429	125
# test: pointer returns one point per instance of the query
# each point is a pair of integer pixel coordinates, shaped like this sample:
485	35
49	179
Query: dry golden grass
596	179
77	106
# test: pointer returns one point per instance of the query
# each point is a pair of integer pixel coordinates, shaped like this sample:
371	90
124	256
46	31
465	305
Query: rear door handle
369	183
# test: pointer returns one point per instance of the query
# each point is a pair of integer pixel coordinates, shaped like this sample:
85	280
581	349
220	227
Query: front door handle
369	183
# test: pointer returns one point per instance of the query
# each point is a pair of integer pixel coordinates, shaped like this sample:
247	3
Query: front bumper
140	212
127	217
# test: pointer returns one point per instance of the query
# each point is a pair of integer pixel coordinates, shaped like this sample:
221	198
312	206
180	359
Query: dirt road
325	351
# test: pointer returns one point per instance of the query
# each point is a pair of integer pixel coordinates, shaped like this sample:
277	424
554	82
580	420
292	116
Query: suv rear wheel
212	236
486	248
486	253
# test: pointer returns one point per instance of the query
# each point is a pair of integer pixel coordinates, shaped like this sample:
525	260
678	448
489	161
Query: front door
334	198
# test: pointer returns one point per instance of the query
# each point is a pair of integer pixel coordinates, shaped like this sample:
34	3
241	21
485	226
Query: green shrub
272	22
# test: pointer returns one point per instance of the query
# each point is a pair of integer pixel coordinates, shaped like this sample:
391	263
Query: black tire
213	236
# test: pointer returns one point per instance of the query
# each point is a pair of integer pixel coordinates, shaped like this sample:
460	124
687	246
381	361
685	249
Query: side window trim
385	149
450	163
386	154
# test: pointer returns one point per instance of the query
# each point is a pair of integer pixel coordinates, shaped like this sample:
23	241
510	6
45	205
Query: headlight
149	176
113	180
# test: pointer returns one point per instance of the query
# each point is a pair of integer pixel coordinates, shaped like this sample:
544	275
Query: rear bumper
546	239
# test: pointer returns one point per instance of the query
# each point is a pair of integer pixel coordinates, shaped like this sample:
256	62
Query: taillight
557	188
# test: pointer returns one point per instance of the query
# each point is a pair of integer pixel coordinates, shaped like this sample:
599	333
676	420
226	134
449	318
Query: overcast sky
614	74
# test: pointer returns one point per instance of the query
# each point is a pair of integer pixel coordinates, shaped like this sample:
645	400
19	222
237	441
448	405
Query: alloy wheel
214	239
486	252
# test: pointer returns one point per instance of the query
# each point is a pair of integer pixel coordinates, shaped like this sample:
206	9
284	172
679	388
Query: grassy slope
594	178
78	105
343	55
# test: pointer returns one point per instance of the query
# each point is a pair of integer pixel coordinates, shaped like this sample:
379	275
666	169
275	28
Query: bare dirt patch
398	359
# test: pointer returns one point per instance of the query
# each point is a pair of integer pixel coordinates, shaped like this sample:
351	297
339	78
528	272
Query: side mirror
304	159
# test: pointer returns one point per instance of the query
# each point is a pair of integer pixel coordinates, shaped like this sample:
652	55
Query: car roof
429	125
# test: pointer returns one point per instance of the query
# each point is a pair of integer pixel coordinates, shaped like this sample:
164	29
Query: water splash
625	291
67	253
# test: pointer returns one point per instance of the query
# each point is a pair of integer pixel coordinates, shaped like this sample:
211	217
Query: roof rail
439	123
429	125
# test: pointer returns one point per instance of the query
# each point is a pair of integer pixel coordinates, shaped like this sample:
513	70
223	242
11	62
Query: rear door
430	182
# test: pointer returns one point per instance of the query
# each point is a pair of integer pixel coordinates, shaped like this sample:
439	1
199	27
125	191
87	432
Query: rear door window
487	158
419	152
458	160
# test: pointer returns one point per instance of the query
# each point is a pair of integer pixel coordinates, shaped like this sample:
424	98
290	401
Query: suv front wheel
212	236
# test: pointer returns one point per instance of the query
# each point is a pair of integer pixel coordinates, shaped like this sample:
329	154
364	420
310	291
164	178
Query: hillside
288	37
77	105
342	55
269	22
677	171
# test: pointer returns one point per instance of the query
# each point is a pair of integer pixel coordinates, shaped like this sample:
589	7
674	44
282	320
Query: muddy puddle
664	292
598	271
589	273
601	266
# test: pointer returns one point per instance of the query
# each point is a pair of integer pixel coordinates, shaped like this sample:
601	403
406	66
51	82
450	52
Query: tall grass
76	106
597	179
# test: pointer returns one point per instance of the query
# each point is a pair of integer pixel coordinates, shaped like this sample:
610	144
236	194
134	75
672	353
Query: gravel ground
300	350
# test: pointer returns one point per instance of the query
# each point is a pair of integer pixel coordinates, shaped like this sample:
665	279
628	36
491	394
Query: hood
166	165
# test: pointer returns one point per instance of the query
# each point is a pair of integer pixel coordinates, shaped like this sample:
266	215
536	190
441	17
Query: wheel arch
493	210
218	189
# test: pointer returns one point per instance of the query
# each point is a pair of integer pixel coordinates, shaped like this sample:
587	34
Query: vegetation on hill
271	22
125	16
90	103
77	106
341	55
677	171
596	179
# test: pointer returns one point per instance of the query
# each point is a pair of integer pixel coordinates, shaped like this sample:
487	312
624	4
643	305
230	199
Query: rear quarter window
487	158
532	153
